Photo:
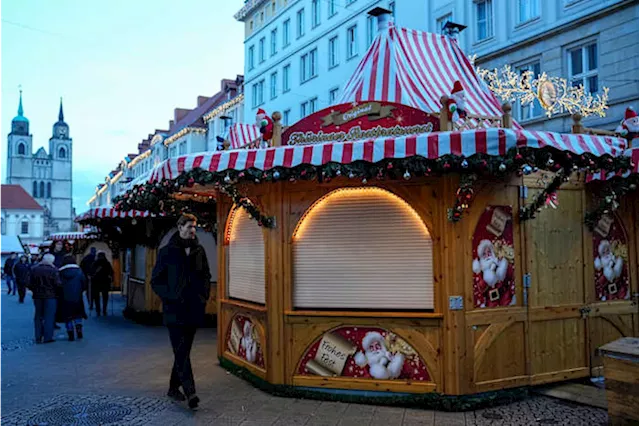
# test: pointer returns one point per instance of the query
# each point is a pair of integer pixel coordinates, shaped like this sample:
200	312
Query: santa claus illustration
382	363
629	127
265	123
491	275
248	343
611	267
456	105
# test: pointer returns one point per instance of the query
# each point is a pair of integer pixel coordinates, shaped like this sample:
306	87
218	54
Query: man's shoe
72	336
193	402
176	394
79	331
49	341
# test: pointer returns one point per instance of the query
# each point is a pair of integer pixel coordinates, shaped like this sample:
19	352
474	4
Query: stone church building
45	176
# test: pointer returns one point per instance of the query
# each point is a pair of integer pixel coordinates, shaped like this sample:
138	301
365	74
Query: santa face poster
364	353
610	254
494	281
243	340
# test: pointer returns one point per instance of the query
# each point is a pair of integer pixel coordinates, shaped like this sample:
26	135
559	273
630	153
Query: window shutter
139	266
363	248
246	258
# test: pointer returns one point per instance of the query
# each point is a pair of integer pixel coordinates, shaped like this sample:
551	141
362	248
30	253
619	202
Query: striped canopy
112	213
416	68
242	135
71	236
633	153
491	141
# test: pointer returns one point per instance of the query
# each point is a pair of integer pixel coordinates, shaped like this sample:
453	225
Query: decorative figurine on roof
629	127
265	123
456	105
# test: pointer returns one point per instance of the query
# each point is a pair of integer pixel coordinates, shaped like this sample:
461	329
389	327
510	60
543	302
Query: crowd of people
58	285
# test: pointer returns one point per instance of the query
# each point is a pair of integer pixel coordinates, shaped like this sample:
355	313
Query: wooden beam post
276	140
507	119
445	124
151	300
577	123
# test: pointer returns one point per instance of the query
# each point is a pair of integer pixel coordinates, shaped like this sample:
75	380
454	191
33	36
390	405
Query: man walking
44	282
181	279
87	266
8	273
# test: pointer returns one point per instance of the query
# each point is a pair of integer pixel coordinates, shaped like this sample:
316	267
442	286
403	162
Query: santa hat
630	113
604	245
483	245
457	87
370	337
261	112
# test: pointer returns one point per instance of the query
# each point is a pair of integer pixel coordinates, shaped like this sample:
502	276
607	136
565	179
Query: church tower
60	153
19	150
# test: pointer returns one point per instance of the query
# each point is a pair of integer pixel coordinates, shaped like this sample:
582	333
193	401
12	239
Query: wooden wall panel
499	354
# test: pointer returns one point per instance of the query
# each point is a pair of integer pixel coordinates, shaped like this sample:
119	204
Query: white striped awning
71	236
242	135
633	153
112	213
416	68
491	141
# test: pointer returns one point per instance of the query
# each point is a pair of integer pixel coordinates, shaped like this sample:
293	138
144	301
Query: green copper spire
20	110
61	114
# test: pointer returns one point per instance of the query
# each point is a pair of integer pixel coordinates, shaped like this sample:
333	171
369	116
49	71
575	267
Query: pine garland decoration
613	191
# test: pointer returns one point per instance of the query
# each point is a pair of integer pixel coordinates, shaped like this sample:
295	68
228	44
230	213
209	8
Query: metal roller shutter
246	259
363	248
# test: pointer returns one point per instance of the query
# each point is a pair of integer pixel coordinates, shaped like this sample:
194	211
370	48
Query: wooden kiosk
383	246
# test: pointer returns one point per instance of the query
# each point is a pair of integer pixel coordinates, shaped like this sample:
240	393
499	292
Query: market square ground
118	375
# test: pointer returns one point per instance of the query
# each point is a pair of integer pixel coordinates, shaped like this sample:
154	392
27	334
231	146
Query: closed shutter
246	258
139	267
363	248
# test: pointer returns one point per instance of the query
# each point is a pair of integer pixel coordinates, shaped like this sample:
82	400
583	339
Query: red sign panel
367	120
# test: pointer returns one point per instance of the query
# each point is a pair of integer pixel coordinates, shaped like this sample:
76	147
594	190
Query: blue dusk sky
121	67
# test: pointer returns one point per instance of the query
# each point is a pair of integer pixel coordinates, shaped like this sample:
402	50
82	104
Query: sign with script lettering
357	121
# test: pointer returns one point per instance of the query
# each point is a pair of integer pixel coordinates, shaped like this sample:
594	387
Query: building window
62	153
534	109
528	10
273	7
309	65
372	25
333	95
300	23
440	22
262	17
285	117
48	189
35	189
304	109
259	92
313	105
583	66
24	227
286	33
251	26
251	58
392	8
315	13
274	36
3	226
182	150
274	84
173	152
484	20
41	192
352	40
333	52
332	8
261	50
286	74
21	149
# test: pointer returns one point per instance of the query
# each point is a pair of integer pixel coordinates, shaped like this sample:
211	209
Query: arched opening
373	249
48	189
42	193
245	257
35	189
62	153
22	150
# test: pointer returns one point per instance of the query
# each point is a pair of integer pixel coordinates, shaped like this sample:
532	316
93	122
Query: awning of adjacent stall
416	68
491	141
72	236
112	213
242	135
11	244
633	153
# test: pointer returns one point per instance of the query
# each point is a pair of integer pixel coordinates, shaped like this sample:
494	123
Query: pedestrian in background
44	283
181	278
74	283
21	273
86	264
101	278
8	273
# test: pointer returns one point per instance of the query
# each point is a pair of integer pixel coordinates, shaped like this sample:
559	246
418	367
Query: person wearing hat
265	123
629	127
456	105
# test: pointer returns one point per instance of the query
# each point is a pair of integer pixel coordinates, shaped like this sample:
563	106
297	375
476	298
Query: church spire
60	114
20	110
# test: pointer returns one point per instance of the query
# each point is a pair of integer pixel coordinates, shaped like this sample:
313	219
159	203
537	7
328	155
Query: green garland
464	195
613	191
529	211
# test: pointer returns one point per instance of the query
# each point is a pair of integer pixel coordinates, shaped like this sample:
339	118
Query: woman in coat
101	278
74	283
21	273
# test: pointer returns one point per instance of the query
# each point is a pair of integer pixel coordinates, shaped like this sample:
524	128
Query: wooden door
556	297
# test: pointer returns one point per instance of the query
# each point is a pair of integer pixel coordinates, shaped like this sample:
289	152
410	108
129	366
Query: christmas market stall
135	238
390	244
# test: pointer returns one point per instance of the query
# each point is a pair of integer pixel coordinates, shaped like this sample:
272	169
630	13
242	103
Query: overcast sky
121	66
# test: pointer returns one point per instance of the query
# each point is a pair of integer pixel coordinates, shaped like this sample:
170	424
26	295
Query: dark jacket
87	263
182	282
59	255
73	284
44	281
8	267
101	275
21	272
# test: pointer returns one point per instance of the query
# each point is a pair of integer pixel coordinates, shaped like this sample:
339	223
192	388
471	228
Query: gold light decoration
556	95
183	132
223	108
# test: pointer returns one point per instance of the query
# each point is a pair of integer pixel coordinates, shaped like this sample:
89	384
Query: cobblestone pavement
118	375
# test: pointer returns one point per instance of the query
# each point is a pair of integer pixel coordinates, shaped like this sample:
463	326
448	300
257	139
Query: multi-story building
593	43
300	53
22	216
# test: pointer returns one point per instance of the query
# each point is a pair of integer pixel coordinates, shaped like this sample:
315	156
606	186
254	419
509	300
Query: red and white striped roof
416	68
241	135
491	141
61	236
112	213
633	153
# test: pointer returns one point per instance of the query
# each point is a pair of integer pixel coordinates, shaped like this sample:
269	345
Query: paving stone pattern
118	375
